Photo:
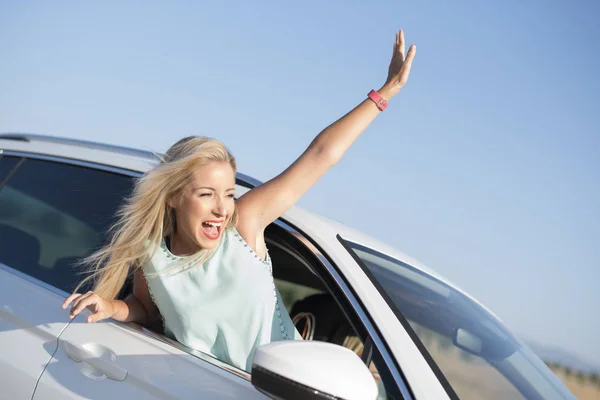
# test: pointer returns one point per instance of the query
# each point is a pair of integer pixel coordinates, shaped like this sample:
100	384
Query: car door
35	235
30	322
110	360
53	212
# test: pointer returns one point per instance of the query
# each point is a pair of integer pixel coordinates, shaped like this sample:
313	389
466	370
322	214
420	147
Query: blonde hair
145	217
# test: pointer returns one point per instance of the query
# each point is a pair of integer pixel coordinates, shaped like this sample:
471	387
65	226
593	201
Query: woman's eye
231	196
205	194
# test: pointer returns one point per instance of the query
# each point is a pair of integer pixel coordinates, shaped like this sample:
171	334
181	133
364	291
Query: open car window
311	301
473	354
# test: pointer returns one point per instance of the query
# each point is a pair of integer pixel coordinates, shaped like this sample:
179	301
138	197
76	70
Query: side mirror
311	370
488	345
467	341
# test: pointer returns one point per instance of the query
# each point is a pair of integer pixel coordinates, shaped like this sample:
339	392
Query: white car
413	335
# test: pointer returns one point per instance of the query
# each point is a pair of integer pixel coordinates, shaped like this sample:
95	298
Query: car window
467	347
7	166
311	301
52	214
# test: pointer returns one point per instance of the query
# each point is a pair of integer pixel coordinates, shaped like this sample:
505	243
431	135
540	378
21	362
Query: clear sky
486	167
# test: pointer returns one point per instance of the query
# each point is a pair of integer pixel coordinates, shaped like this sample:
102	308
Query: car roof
81	150
141	161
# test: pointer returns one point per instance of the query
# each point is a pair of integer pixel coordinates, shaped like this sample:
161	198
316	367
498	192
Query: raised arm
264	204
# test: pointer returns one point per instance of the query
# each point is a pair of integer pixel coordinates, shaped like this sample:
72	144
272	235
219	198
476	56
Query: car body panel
30	322
153	369
103	155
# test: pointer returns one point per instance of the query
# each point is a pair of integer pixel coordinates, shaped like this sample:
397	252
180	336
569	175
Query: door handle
78	353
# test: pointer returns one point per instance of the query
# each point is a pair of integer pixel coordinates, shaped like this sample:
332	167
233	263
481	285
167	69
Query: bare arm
137	307
264	204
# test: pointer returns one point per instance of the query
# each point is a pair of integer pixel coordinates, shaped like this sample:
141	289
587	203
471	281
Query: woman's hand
399	67
100	307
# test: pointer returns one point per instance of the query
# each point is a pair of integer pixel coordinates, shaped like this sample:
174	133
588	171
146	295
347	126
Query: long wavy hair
145	218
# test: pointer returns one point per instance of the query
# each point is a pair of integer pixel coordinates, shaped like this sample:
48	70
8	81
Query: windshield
472	351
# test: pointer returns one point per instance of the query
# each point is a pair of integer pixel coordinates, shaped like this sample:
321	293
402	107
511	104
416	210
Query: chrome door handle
78	353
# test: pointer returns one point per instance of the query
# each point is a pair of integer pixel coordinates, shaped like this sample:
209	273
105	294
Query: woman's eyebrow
210	188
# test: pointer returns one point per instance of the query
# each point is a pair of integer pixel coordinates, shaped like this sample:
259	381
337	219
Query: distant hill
563	357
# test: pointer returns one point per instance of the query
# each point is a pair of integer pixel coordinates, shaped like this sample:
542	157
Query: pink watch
378	100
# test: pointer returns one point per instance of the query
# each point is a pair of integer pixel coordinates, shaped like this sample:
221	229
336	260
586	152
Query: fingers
95	317
412	50
70	299
401	43
82	302
406	66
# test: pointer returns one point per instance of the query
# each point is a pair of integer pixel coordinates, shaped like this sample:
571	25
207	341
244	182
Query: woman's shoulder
253	240
241	245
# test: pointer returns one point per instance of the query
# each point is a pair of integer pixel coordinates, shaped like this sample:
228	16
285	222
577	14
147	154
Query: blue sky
486	167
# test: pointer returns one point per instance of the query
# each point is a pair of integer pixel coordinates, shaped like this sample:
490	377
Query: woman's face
205	206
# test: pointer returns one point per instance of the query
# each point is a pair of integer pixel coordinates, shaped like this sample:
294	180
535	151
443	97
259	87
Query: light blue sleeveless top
225	307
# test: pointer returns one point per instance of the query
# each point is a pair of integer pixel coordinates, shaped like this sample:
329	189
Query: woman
198	257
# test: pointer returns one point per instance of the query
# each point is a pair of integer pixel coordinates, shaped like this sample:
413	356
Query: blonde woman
198	257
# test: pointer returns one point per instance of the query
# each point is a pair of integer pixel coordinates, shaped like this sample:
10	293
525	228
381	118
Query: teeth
214	223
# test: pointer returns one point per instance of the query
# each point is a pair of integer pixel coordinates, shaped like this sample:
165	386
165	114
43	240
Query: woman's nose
219	208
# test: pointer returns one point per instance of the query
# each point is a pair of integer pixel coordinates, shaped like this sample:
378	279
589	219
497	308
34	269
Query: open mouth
212	229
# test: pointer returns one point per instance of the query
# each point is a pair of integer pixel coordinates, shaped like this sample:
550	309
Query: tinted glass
7	166
52	214
470	349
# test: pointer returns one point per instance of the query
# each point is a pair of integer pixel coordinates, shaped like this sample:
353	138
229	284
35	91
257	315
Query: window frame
356	312
330	273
